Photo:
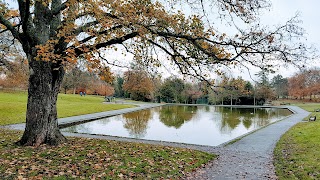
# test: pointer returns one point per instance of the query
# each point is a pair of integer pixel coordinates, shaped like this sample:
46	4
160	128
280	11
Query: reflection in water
230	118
248	117
177	115
207	108
247	123
204	125
137	122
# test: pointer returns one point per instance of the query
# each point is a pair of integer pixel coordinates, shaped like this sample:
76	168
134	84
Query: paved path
63	122
249	158
252	156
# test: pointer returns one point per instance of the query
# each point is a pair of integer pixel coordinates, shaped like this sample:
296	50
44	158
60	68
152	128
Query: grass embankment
297	154
13	106
94	158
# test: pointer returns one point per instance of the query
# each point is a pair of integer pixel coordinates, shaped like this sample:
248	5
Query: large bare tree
53	33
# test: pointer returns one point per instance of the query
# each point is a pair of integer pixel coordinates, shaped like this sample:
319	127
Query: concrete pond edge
74	120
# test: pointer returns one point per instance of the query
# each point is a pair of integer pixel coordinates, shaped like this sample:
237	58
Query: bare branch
118	40
110	63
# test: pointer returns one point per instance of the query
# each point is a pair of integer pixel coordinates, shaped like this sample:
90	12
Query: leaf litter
83	158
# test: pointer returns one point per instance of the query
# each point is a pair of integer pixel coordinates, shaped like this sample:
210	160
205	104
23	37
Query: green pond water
202	125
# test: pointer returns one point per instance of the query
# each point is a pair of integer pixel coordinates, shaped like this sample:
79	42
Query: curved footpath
69	121
251	157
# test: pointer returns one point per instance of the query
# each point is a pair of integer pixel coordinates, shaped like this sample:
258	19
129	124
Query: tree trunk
41	117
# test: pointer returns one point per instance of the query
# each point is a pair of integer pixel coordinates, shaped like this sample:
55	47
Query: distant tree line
78	80
140	85
305	85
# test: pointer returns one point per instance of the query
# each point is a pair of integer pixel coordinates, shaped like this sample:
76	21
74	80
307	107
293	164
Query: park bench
109	99
312	118
284	103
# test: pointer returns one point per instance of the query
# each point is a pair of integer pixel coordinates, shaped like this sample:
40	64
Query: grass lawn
82	158
297	154
94	158
13	106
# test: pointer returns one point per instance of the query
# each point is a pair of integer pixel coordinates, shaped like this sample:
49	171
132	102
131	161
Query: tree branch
28	30
84	27
111	63
119	40
11	28
60	8
5	30
100	33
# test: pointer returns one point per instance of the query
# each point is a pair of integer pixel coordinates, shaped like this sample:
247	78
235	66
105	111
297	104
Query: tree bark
41	117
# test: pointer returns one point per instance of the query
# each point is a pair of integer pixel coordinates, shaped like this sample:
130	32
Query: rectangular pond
202	125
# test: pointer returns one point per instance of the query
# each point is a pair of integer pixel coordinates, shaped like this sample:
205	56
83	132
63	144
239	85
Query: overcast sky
280	12
309	14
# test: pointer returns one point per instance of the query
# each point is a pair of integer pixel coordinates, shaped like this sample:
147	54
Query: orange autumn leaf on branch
106	75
